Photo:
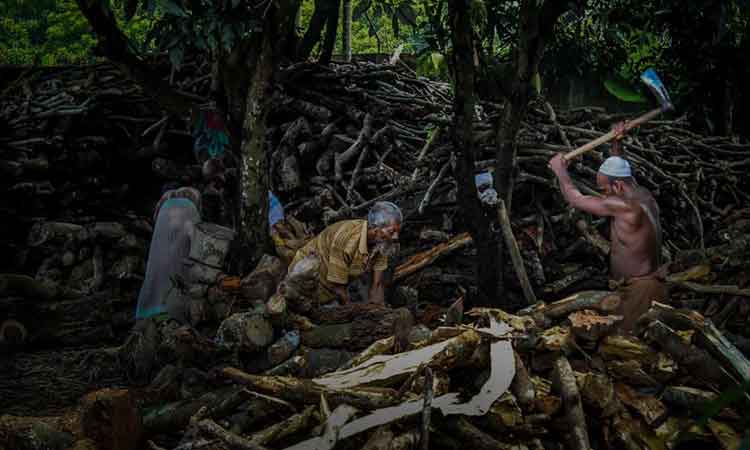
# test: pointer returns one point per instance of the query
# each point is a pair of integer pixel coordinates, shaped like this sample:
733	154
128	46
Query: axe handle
638	121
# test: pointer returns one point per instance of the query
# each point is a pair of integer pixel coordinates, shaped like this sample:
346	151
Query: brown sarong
637	295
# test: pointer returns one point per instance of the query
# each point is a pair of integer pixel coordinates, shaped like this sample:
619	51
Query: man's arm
377	289
589	203
342	292
599	206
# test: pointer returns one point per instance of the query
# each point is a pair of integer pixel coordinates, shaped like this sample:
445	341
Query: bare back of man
635	236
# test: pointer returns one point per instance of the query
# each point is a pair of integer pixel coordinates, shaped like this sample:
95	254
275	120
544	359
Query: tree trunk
270	47
537	23
463	141
346	31
314	30
332	22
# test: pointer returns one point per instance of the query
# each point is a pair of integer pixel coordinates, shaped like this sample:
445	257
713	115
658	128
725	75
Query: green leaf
623	92
437	60
171	7
360	9
394	22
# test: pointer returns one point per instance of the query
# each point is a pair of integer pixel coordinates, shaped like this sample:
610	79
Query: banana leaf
623	92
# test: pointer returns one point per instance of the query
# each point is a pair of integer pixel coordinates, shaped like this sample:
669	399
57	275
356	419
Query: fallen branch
428	195
362	140
424	443
424	259
515	253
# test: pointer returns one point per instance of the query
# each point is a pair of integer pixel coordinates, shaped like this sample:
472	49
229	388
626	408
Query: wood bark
297	390
462	137
332	23
515	254
697	361
707	336
565	383
346	31
537	22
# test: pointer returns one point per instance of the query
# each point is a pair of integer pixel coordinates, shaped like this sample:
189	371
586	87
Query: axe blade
652	80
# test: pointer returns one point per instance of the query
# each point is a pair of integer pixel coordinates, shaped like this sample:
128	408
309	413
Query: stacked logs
552	377
356	134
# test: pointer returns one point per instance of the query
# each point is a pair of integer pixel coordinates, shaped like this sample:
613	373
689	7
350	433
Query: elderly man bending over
349	249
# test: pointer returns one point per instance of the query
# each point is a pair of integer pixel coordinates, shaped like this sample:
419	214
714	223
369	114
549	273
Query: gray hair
383	214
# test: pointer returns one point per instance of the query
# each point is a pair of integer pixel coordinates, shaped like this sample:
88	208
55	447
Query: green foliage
50	32
433	65
623	91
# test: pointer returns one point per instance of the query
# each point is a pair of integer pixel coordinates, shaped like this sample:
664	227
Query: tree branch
114	45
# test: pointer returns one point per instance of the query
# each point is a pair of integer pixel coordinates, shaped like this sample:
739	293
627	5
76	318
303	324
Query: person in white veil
175	216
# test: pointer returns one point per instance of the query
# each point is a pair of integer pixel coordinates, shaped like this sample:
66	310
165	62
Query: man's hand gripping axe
657	87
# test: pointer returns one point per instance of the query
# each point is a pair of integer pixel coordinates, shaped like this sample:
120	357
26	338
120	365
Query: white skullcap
614	166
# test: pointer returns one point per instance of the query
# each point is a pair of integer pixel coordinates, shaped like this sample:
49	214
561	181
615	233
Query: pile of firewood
366	132
552	377
340	138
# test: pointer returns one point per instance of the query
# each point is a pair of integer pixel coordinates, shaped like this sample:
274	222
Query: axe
651	79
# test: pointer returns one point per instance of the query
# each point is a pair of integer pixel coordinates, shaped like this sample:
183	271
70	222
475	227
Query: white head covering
614	166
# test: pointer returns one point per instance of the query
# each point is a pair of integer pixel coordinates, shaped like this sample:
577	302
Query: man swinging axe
635	231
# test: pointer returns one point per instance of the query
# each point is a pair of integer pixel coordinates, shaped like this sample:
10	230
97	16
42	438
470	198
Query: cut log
688	398
631	372
261	283
472	437
389	370
598	392
564	382
589	325
15	285
376	348
522	387
297	423
174	416
650	408
247	331
210	243
305	391
351	327
605	302
556	340
43	232
499	381
707	336
696	361
36	433
625	348
422	260
725	434
200	273
231	439
109	418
